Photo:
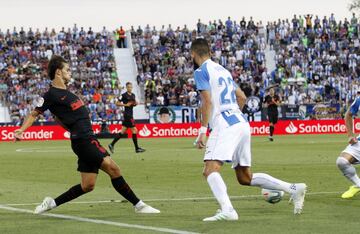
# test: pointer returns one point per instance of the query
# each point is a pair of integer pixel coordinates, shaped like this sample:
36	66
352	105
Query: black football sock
134	137
272	128
116	139
72	193
124	189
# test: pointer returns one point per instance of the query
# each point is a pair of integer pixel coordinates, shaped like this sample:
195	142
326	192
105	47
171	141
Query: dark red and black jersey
69	109
126	98
271	101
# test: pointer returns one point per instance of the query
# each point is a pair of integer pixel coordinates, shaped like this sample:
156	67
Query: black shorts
90	154
128	122
273	117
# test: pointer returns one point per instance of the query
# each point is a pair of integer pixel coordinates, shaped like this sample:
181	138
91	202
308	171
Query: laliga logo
145	132
291	128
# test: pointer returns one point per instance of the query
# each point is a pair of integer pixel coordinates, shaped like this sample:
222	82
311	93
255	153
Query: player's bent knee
111	168
208	170
206	173
244	181
341	162
243	175
88	187
114	172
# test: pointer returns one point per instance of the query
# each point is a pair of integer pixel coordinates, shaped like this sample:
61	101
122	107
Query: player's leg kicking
262	180
238	145
92	156
242	164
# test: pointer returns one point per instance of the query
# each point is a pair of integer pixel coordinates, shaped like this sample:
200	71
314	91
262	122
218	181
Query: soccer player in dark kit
73	115
128	101
272	101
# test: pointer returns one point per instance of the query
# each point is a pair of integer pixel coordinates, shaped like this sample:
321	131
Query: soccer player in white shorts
351	154
229	140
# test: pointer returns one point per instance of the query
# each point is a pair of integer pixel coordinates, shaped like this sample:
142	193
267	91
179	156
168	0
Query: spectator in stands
23	60
164	56
122	37
323	60
316	59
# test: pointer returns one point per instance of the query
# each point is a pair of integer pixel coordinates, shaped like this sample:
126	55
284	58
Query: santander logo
357	126
145	132
67	135
291	128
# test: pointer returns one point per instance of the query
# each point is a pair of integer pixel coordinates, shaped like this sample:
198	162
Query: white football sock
348	170
268	182
219	190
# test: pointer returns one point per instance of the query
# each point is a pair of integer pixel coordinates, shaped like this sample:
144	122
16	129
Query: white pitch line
165	199
99	221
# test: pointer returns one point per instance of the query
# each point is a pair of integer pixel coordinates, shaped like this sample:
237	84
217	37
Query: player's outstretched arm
29	120
240	98
349	123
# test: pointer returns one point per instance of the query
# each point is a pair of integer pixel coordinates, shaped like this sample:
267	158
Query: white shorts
353	150
230	143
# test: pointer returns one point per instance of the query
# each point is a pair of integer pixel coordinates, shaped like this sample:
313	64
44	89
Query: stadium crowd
23	61
316	60
166	68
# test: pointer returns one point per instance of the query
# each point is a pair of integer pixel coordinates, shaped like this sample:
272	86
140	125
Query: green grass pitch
169	176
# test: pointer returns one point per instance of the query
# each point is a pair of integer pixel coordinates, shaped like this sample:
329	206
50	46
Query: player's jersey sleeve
354	108
43	103
202	79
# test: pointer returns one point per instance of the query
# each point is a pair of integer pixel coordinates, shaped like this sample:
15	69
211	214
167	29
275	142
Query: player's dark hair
200	46
56	62
128	83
